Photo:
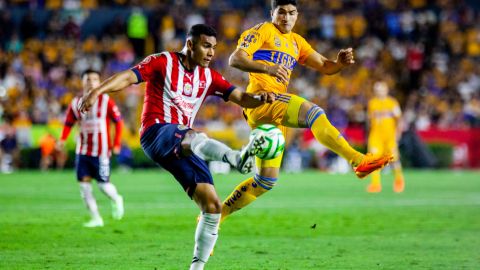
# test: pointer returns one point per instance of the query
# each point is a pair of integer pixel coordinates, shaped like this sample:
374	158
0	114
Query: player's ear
190	44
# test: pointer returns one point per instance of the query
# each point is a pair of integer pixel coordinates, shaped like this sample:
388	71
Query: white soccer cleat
245	158
117	208
95	222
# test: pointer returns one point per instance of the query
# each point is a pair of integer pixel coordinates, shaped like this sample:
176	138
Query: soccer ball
274	141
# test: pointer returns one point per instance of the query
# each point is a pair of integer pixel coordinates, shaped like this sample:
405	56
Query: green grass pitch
434	224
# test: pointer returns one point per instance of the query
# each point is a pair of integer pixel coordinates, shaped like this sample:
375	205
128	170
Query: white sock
109	189
205	237
87	195
209	149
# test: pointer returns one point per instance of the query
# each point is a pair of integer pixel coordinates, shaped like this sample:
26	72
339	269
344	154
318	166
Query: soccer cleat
117	208
398	185
372	188
95	222
370	164
244	161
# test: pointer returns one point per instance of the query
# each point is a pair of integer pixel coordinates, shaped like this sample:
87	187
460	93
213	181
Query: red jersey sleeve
150	66
220	87
70	118
113	112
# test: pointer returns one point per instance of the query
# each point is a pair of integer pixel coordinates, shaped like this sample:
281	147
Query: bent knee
213	207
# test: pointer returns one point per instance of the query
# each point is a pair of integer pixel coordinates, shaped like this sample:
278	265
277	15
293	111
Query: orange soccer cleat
371	163
374	188
398	185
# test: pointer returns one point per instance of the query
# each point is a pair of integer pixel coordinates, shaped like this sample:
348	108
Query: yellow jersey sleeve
252	39
304	49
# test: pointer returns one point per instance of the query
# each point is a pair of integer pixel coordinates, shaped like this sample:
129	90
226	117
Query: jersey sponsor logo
276	57
189	76
183	105
202	84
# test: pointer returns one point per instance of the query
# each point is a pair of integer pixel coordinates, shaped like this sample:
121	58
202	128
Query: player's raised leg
212	150
312	116
206	234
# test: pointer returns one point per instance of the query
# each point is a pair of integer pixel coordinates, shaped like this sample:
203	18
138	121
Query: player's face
380	89
203	50
284	17
90	80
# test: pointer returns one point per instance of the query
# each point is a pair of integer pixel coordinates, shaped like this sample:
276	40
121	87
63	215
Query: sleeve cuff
137	73
228	92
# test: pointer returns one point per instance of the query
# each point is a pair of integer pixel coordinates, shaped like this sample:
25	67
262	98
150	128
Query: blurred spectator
9	150
137	31
49	153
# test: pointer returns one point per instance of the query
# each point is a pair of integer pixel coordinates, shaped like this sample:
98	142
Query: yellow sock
244	194
397	170
329	136
376	178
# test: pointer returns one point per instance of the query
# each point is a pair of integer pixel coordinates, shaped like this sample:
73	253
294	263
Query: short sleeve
113	111
252	40
70	118
397	112
220	87
150	66
304	49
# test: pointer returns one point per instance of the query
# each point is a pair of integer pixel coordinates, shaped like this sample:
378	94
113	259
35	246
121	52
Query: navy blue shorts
95	167
161	143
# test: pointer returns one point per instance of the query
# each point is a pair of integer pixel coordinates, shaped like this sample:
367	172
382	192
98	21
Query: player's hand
278	71
345	57
86	102
267	97
116	149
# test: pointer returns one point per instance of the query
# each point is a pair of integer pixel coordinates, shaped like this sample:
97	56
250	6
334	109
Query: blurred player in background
269	52
177	84
94	147
384	121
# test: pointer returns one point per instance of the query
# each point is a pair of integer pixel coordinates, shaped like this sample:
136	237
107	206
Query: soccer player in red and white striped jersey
94	147
177	83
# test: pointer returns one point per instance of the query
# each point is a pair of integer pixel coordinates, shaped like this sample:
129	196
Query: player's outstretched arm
325	66
239	59
115	83
249	100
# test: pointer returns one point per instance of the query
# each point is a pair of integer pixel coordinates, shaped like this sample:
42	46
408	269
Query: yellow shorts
281	113
380	144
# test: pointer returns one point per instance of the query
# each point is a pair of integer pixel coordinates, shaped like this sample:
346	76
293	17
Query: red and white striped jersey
173	93
94	133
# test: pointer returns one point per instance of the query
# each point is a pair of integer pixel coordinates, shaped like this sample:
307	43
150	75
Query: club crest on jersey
278	43
187	89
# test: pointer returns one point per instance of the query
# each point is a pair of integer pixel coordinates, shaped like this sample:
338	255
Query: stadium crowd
428	51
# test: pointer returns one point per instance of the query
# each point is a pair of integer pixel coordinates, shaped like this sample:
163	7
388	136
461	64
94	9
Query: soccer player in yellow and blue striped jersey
384	120
269	52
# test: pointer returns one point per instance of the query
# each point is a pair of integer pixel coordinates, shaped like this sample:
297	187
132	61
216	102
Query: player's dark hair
88	71
201	29
276	3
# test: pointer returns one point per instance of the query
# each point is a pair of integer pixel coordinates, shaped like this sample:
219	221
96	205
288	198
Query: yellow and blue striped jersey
266	44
